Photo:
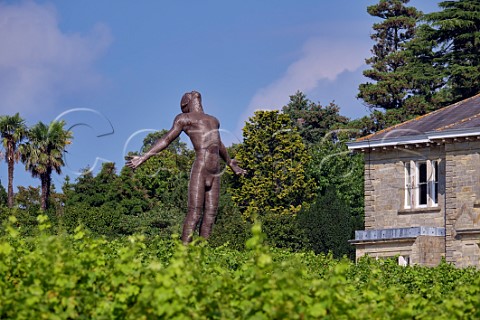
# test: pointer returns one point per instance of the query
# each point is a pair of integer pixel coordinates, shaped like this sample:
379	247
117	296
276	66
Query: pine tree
454	36
391	83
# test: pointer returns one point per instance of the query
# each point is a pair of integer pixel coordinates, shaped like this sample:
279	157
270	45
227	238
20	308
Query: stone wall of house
459	198
385	205
385	189
385	249
428	251
423	250
463	202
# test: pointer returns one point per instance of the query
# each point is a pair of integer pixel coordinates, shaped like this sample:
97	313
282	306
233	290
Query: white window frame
419	184
412	185
408	185
433	183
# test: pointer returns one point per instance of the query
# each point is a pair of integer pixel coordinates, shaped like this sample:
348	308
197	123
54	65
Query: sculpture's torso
202	129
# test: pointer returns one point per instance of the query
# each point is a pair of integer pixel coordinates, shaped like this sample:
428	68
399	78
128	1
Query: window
421	184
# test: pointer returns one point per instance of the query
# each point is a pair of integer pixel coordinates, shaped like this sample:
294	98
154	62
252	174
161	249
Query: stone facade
422	250
428	251
385	189
457	211
463	202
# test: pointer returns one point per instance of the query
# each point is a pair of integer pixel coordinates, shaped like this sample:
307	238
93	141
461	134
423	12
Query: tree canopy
274	156
391	85
43	153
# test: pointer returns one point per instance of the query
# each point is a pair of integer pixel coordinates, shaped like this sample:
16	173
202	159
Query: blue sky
116	70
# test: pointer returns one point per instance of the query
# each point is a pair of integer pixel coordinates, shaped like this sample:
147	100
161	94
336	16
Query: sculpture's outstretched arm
160	145
232	163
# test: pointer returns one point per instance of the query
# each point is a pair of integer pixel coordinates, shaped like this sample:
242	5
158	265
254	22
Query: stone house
422	188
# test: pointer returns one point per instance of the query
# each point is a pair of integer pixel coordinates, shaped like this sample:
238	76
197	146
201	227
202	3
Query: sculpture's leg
212	196
196	196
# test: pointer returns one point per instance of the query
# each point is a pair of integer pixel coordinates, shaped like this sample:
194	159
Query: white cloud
39	63
320	59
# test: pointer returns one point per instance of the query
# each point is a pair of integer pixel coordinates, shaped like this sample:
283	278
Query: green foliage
80	276
338	175
312	120
452	36
230	230
391	85
102	220
328	224
112	205
334	167
420	67
283	231
3	196
176	146
131	195
28	198
12	131
43	153
165	176
275	158
90	190
107	220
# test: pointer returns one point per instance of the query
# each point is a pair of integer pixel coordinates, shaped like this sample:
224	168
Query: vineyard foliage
78	276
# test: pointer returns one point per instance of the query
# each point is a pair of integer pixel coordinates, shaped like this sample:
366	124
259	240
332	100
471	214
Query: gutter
430	136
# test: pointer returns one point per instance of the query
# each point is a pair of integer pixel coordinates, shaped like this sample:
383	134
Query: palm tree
43	153
12	131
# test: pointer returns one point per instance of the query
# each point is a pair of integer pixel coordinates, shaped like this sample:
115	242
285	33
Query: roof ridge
419	117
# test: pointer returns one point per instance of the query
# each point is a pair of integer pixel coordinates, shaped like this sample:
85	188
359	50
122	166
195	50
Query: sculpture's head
191	101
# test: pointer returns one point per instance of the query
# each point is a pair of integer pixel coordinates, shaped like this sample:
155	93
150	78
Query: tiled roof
459	116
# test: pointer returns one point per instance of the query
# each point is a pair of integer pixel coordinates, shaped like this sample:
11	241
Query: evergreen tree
391	83
176	146
284	231
327	225
3	196
132	196
166	175
452	37
84	190
275	159
312	120
28	198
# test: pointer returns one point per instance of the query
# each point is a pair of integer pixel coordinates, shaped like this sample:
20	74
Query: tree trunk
49	184
10	163
44	200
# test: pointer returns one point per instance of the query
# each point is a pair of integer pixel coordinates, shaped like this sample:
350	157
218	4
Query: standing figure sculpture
204	184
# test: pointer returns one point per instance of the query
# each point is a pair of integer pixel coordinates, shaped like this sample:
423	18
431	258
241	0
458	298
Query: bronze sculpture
204	184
